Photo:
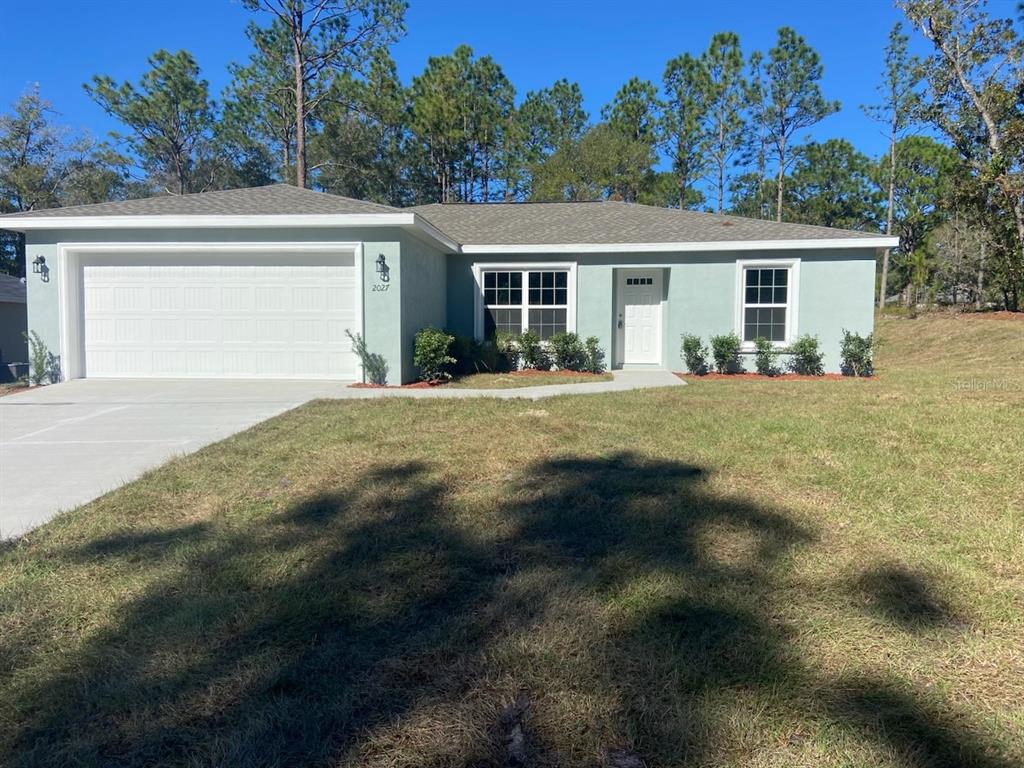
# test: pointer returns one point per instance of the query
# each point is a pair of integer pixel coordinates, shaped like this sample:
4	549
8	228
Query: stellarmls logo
986	385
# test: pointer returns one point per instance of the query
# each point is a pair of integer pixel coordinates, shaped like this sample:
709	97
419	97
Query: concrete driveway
63	445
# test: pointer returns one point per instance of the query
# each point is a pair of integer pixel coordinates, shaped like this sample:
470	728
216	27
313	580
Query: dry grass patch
778	574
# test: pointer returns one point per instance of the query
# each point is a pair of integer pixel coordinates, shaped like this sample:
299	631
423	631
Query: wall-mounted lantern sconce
39	268
383	269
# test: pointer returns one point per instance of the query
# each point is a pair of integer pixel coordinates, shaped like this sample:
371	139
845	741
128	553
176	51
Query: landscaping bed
12	388
527	378
413	385
506	380
749	376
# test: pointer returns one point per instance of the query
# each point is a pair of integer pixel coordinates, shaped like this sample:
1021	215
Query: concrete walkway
64	445
622	381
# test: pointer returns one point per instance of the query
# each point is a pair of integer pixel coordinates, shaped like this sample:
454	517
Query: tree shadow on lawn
386	622
905	597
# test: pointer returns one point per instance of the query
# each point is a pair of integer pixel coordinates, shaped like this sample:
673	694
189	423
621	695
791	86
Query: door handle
620	321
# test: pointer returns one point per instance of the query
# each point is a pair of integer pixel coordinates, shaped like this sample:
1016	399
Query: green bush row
804	355
439	355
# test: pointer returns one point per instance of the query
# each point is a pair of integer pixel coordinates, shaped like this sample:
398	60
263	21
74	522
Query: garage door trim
72	336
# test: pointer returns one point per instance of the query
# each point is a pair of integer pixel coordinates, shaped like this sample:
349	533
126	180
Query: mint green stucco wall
387	317
835	292
428	287
424	294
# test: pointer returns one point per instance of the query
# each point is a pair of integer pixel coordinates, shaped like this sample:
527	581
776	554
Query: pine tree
897	112
724	125
794	100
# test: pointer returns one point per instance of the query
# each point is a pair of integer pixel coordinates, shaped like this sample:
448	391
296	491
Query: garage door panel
238	315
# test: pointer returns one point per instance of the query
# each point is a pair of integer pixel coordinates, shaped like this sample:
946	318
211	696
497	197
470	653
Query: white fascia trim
423	227
208	222
690	247
407	221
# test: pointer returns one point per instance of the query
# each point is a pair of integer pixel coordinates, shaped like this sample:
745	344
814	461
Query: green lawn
525	379
725	574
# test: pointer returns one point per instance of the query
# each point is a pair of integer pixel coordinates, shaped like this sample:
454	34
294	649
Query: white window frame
792	291
478	282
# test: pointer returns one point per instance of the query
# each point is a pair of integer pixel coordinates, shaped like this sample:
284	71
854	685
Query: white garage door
219	315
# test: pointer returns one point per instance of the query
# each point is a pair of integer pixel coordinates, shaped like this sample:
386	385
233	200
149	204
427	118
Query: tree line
319	103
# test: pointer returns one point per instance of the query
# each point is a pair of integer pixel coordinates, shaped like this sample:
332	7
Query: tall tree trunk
486	177
981	278
883	286
721	185
721	165
300	110
762	166
1015	272
778	180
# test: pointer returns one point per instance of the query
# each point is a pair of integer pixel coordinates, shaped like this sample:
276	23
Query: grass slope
726	574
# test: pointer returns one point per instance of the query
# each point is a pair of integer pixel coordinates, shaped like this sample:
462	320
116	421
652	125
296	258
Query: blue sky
62	43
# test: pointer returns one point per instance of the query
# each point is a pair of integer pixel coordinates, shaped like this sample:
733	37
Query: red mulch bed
414	385
439	382
759	377
552	374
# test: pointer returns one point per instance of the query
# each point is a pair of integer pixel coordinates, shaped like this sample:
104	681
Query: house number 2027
380	287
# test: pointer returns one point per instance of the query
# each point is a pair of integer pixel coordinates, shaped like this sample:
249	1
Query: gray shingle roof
275	199
597	223
606	222
12	290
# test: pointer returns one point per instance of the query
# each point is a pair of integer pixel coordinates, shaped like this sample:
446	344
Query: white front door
639	316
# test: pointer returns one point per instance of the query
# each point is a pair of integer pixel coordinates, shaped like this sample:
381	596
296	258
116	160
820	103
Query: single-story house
13	323
265	282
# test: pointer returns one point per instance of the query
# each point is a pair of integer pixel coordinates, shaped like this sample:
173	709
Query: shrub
467	353
474	356
488	357
375	367
567	351
44	366
594	355
695	354
806	357
508	350
726	351
431	354
533	353
765	357
856	352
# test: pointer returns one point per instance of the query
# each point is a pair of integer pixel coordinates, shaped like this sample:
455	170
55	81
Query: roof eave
192	221
407	221
686	247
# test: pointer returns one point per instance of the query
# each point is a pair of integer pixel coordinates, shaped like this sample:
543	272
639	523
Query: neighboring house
13	323
264	282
